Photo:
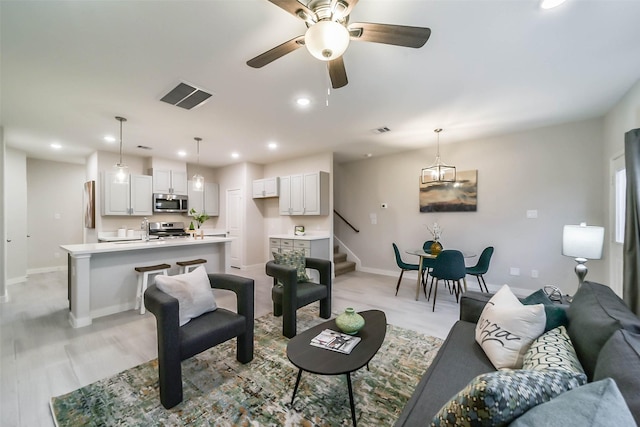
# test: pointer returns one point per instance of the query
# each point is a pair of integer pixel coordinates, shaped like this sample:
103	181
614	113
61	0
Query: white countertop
94	248
305	237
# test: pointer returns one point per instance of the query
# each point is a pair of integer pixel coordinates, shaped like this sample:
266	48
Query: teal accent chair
403	266
482	267
449	267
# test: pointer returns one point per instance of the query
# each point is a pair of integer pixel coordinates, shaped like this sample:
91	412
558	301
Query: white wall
557	171
54	212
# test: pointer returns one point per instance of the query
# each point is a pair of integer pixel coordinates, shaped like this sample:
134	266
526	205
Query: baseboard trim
16	280
47	269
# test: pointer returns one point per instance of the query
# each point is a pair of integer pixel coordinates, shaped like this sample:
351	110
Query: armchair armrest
323	267
471	305
243	288
284	273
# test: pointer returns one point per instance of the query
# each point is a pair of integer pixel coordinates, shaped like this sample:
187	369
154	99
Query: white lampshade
326	40
582	241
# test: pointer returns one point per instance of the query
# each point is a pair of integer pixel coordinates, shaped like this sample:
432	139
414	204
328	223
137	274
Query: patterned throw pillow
497	398
294	258
552	350
506	328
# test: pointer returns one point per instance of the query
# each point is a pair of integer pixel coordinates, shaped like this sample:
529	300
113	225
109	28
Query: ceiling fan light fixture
327	40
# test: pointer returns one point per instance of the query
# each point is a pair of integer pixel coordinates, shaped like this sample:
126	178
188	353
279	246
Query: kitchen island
102	279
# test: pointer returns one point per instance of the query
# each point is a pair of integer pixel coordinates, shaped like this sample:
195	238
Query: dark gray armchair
287	299
177	343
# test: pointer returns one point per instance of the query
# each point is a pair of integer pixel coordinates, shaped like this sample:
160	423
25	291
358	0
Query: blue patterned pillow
497	398
294	258
552	350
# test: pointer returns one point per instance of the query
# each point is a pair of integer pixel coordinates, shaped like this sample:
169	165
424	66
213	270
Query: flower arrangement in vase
436	232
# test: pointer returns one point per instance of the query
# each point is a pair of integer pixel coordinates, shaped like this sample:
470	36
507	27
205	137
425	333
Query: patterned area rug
219	391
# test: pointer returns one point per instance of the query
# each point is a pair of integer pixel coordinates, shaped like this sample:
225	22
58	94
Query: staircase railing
346	222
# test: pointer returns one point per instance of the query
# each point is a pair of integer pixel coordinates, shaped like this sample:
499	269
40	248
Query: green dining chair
403	266
428	264
482	267
449	267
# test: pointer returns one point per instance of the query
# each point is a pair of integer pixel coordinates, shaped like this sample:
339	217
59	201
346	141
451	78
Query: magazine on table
336	341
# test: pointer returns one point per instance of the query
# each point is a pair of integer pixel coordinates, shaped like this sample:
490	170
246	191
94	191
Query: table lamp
582	242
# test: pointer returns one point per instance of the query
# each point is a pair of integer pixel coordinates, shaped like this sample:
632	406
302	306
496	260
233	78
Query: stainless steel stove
167	230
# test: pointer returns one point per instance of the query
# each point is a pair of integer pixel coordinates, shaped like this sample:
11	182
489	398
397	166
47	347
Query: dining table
423	255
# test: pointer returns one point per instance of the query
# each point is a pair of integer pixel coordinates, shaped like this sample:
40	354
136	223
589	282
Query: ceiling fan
329	32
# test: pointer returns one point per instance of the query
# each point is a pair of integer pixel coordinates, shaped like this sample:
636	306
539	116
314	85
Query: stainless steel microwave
170	203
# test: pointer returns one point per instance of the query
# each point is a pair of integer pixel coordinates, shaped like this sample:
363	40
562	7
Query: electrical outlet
514	271
532	213
534	274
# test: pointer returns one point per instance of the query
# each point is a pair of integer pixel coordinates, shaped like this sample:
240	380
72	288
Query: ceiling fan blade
277	52
294	7
399	35
337	73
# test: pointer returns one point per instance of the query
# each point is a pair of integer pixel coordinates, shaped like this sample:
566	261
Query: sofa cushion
620	359
294	258
595	313
507	327
556	314
459	360
598	404
552	350
192	290
497	398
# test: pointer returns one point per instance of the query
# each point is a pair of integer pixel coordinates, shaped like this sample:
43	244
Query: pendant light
198	180
438	171
121	175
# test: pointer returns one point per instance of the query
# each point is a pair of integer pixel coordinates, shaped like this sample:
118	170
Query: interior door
618	208
234	226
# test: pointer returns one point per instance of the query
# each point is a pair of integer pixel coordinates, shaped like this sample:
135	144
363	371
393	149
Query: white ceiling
490	67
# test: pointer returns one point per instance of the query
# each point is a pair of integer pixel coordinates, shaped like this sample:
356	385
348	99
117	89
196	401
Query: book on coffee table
335	341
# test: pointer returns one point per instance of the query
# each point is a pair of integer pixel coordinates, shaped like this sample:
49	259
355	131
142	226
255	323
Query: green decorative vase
350	322
436	248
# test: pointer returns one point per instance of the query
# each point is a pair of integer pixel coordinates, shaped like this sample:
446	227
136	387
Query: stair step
344	267
339	257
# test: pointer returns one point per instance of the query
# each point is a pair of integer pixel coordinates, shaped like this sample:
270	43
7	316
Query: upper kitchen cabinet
206	201
305	194
134	198
168	181
266	187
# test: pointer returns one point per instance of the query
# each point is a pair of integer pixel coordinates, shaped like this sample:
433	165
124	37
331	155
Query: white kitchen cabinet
313	246
206	201
134	198
266	187
169	181
305	194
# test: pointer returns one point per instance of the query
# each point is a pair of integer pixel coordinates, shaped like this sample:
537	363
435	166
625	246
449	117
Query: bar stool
143	280
187	266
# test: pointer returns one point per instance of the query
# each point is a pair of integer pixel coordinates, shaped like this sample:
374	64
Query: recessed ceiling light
110	138
56	146
272	146
550	4
182	153
235	155
303	102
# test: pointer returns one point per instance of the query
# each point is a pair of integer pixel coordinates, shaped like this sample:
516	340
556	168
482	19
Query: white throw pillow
192	290
507	328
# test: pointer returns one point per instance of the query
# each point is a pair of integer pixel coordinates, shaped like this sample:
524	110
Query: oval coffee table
327	362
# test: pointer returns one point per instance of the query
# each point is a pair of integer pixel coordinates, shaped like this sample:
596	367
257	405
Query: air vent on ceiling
383	129
144	147
186	96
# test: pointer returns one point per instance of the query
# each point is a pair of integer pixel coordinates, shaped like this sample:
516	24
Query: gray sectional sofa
603	331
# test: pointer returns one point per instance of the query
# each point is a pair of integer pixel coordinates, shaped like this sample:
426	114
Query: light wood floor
43	356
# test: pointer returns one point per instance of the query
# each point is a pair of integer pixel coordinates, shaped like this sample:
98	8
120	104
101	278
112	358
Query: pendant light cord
120	119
